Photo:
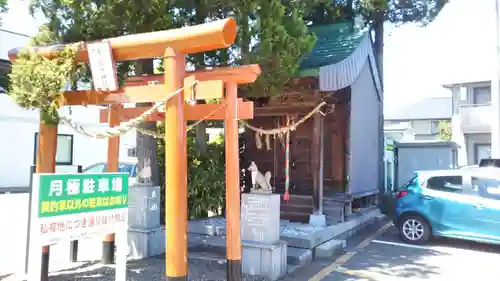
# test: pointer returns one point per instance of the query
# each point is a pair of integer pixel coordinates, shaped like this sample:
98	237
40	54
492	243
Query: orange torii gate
229	75
172	45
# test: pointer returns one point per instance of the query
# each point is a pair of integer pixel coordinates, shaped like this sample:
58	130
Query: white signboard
67	207
102	66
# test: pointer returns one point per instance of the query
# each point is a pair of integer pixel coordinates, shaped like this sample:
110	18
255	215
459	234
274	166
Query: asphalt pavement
378	254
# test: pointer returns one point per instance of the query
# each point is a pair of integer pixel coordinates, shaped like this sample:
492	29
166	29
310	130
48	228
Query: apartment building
419	120
471	120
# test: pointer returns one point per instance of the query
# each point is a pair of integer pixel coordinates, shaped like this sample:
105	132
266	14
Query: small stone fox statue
261	183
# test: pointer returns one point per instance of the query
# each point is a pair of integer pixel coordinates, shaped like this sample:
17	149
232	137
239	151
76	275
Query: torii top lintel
192	39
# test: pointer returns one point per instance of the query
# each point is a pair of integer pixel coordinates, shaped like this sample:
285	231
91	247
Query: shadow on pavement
465	245
152	269
426	262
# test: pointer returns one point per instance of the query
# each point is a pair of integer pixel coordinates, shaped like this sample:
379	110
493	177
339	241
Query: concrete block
306	236
292	268
334	212
146	243
299	256
215	226
260	217
266	260
144	207
209	244
309	237
329	248
348	209
317	220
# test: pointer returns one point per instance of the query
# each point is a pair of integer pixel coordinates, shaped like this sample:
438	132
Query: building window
434	126
481	151
64	153
463	94
481	95
132	152
422	127
4	78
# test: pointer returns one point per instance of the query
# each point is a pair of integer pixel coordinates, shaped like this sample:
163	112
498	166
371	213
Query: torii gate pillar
233	232
175	169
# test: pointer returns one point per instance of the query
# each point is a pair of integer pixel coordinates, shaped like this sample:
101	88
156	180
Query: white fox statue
261	183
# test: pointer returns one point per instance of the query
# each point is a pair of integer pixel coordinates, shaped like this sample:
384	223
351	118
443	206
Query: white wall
416	158
365	143
463	95
10	40
471	140
17	136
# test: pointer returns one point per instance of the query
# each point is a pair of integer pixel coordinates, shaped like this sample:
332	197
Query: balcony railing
475	118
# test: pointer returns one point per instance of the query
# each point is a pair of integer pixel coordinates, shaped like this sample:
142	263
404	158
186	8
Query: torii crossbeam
172	45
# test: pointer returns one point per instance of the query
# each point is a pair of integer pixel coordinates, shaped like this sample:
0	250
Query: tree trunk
201	135
245	39
201	128
378	28
146	146
147	156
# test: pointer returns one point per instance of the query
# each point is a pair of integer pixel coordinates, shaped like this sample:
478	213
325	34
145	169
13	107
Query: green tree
444	127
3	8
94	19
272	33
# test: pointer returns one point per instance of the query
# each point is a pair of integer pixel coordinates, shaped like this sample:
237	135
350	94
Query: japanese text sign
68	206
102	66
62	194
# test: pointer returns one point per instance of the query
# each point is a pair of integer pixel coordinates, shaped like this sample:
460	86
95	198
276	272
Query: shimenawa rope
125	127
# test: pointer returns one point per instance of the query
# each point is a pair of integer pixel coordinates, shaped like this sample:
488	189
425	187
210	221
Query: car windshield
127	168
122	168
409	182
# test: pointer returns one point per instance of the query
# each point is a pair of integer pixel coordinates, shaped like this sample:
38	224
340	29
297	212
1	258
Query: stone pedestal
262	259
263	253
146	236
317	220
146	243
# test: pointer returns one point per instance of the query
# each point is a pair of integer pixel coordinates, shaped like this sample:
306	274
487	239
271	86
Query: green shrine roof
335	42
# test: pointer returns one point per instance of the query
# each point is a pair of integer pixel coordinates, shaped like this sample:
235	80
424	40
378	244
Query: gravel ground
152	269
13	241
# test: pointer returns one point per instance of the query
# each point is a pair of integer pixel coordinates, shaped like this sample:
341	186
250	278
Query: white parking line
347	256
400	244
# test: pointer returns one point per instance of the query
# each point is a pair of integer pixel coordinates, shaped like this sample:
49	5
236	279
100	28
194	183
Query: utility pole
495	89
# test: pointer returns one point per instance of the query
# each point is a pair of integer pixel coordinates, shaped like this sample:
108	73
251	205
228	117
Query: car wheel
414	229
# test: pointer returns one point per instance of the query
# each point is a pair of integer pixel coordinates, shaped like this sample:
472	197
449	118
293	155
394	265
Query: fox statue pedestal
146	236
263	253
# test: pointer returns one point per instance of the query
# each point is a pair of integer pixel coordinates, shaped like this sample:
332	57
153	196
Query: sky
457	46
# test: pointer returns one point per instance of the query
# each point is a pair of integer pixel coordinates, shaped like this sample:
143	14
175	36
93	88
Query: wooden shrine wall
273	159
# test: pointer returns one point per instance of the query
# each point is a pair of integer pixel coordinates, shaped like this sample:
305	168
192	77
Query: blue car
463	204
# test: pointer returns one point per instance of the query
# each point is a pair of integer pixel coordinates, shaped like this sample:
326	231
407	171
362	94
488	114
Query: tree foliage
444	128
271	33
206	172
36	81
3	8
